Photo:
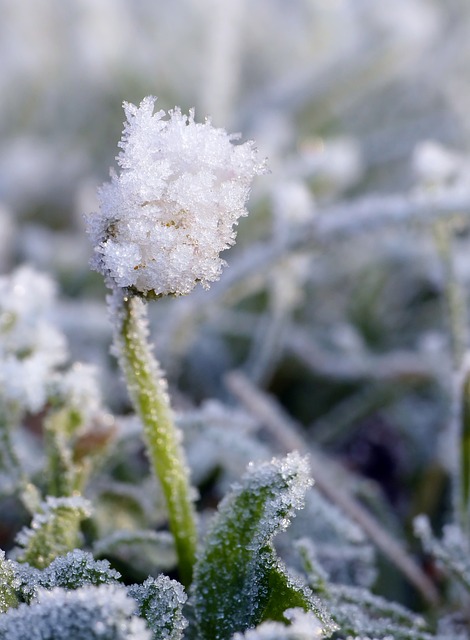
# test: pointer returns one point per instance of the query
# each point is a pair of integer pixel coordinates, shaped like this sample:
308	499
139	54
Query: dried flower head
171	210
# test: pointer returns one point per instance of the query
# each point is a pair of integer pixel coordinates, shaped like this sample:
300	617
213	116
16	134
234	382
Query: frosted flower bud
164	219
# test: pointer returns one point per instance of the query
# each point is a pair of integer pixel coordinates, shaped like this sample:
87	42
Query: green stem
147	389
458	321
10	416
456	306
464	453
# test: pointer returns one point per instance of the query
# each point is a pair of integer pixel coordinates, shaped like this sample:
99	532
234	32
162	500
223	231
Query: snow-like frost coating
304	625
160	601
102	613
30	347
171	210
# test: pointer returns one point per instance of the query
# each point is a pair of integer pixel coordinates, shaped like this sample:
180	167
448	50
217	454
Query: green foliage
147	389
54	531
62	473
239	582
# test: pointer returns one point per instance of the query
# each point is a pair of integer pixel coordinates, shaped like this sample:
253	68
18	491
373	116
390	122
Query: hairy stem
147	389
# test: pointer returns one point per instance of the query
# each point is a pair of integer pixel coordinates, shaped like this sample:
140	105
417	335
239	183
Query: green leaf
239	582
54	531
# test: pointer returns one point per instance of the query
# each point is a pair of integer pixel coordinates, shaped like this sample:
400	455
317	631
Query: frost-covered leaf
239	582
77	430
341	547
453	551
89	613
54	531
221	439
76	569
152	551
8	584
304	625
160	601
357	611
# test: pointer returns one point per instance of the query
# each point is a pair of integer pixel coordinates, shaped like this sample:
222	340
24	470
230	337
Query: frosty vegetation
281	453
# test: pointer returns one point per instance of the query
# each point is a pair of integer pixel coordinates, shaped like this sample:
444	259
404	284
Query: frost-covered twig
397	365
287	434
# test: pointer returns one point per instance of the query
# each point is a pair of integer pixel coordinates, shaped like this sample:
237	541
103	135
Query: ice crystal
160	602
30	347
89	613
166	217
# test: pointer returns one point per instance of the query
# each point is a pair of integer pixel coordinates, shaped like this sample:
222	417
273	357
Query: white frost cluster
30	347
78	387
166	217
105	612
304	625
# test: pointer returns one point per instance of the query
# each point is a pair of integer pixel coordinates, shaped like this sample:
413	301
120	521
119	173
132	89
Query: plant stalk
147	389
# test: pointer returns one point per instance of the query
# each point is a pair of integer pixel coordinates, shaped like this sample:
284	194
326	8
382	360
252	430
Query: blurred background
337	294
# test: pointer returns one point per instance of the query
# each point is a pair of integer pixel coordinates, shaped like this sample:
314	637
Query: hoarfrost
238	559
30	347
453	551
54	530
166	217
72	571
160	601
304	625
88	613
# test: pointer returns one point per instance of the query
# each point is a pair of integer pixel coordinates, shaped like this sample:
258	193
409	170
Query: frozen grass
339	329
